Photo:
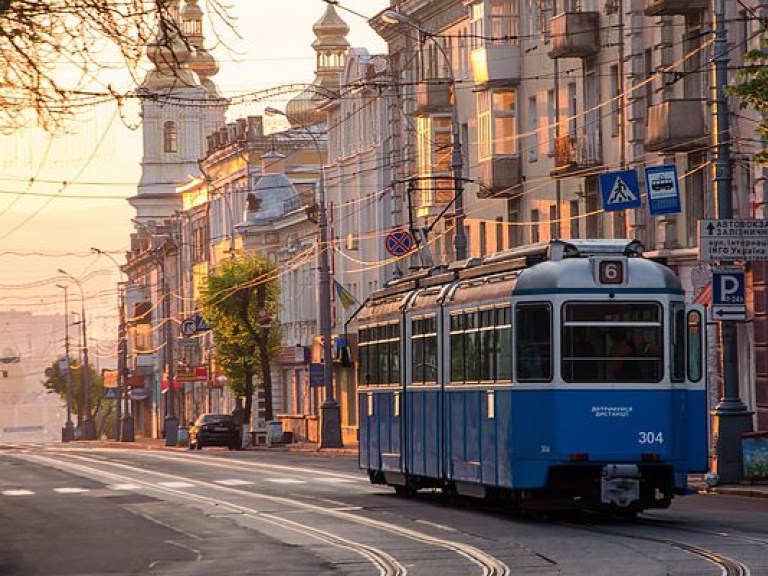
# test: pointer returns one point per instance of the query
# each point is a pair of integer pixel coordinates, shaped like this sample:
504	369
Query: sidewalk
749	489
159	444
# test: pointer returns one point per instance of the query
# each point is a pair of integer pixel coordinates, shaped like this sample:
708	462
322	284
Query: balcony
676	126
500	177
574	153
433	96
496	64
575	35
674	7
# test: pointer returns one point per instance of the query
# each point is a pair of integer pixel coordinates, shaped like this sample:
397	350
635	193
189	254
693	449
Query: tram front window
612	342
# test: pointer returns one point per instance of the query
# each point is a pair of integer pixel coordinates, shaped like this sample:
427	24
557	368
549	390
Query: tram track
728	566
386	563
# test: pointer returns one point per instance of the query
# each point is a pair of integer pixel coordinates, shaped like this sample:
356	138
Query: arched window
170	137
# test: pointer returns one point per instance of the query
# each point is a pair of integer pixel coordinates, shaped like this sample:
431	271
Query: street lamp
330	414
457	162
125	426
89	429
68	432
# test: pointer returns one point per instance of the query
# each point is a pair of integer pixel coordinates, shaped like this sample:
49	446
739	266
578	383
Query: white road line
334	480
285	480
70	490
124	487
176	484
17	492
233	482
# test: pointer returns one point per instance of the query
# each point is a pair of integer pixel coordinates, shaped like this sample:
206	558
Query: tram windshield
612	342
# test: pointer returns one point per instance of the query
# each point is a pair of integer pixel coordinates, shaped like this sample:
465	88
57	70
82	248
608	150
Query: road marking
285	480
233	482
335	480
124	487
70	490
176	484
17	492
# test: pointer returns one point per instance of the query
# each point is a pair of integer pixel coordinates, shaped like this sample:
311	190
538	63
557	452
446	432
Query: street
87	510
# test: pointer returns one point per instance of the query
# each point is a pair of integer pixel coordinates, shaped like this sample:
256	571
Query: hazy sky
74	187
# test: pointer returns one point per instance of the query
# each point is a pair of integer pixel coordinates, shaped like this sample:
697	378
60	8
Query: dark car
214	430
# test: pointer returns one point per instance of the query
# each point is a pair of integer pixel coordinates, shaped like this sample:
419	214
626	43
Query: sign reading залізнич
731	240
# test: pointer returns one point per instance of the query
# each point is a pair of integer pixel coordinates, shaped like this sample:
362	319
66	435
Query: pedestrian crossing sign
619	190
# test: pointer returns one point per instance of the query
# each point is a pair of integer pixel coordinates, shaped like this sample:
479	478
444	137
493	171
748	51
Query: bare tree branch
52	50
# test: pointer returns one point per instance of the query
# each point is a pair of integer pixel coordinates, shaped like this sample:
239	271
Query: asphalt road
86	511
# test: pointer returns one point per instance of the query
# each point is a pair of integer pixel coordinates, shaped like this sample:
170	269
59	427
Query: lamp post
330	414
89	428
68	432
125	426
457	162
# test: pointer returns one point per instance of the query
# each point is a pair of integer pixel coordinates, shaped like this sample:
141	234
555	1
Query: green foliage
102	410
240	304
752	91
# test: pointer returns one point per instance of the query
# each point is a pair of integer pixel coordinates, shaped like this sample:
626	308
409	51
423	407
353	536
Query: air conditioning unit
351	242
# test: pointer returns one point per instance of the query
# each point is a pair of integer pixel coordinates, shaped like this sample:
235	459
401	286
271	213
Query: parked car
215	430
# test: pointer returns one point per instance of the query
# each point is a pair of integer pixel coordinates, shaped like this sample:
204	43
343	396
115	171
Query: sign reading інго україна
732	240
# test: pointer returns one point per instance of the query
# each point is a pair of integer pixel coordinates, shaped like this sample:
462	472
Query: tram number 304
650	437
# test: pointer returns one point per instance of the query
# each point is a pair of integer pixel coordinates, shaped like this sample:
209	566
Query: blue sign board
111	393
663	190
728	286
619	190
316	375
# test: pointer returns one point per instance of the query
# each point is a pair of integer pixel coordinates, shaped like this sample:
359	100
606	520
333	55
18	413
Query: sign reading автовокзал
733	240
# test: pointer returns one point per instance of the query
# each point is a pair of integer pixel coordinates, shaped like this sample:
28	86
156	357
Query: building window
554	223
533	130
551	122
535	235
615	100
170	137
483	238
574	218
496	123
573	107
499	234
434	151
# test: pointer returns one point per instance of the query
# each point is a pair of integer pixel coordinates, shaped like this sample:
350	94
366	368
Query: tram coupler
620	484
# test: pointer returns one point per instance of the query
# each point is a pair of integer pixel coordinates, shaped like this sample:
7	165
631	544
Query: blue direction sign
619	190
399	243
663	191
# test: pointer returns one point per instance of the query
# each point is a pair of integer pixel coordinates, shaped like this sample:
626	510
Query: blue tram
560	375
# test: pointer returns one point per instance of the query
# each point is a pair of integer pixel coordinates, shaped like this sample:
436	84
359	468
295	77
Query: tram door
696	387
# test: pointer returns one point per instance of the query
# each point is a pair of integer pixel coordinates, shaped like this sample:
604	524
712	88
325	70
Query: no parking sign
399	243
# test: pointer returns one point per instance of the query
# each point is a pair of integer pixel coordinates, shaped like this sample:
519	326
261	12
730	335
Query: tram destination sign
731	240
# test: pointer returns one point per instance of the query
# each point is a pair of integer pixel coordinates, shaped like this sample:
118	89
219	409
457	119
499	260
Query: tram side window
380	355
481	346
424	350
695	360
533	329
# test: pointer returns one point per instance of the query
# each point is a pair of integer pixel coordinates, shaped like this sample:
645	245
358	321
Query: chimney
241	128
255	127
272	163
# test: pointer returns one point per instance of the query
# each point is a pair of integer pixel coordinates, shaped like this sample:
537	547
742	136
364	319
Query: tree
240	304
51	51
102	410
752	90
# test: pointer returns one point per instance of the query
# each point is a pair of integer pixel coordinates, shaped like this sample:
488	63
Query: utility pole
171	423
127	433
732	418
68	432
